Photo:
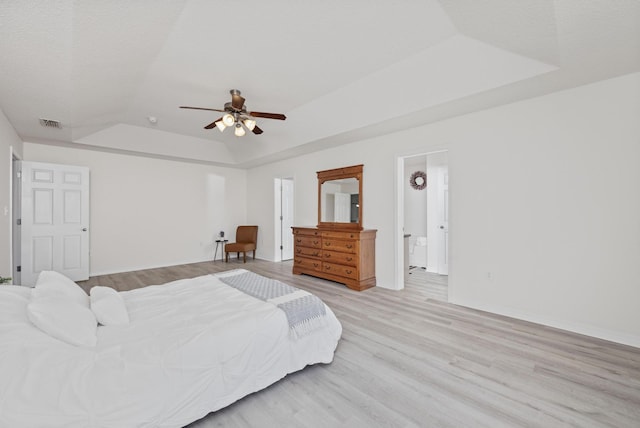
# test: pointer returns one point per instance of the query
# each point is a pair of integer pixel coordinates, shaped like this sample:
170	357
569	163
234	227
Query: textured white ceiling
339	70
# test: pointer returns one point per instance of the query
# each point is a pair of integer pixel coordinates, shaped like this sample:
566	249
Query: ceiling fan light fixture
228	120
249	123
236	115
221	126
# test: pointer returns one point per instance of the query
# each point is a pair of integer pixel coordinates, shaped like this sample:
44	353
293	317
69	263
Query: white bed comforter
193	346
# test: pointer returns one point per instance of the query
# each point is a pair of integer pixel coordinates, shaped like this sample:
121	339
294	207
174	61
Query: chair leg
226	257
244	256
254	254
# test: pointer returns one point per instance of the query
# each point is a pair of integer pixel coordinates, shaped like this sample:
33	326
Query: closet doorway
424	215
283	203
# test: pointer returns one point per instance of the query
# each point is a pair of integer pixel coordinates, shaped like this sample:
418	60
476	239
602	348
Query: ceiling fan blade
268	115
237	101
202	108
257	130
212	124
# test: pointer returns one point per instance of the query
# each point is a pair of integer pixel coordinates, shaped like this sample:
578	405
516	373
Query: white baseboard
145	267
136	268
562	324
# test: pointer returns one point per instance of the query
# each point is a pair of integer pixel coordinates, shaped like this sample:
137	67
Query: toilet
418	251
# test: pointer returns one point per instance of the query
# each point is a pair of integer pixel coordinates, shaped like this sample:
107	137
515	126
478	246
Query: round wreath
418	180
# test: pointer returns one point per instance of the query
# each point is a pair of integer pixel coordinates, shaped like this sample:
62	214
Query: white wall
260	198
544	195
150	212
9	141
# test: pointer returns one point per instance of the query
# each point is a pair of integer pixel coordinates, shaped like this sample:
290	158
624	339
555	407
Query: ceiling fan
237	116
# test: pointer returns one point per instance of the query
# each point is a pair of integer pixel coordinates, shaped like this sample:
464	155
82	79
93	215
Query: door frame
399	217
15	206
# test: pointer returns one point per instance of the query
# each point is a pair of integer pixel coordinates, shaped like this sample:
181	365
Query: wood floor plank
409	359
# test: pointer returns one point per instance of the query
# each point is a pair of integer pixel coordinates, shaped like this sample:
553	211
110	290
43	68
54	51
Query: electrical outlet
6	211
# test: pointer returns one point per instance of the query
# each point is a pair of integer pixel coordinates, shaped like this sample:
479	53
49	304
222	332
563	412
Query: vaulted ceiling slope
340	70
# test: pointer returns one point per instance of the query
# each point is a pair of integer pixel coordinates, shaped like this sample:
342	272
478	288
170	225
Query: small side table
218	243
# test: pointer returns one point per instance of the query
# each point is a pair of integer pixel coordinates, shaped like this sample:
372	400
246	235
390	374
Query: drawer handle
298	240
348	272
316	254
298	250
351	235
349	246
315	265
315	242
327	244
327	268
327	255
349	259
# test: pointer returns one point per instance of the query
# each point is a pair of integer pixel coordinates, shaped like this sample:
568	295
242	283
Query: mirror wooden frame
354	171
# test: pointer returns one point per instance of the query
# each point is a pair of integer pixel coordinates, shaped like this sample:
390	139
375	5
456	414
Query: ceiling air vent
48	123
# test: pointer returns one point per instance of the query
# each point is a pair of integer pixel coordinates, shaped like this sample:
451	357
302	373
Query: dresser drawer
306	232
339	245
308	251
341	270
307	263
350	259
340	235
307	241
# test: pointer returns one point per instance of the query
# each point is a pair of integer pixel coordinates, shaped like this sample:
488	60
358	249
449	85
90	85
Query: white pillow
108	306
64	319
54	284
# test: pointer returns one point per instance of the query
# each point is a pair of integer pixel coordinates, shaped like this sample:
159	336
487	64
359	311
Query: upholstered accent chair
246	240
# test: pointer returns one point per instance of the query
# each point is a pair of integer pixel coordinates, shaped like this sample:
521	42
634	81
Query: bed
189	347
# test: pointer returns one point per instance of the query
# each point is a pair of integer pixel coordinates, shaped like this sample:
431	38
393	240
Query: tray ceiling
340	71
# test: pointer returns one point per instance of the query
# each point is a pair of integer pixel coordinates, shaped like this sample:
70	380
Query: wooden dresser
344	256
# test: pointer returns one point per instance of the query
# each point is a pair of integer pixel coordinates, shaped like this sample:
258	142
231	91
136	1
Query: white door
443	211
287	218
342	208
55	220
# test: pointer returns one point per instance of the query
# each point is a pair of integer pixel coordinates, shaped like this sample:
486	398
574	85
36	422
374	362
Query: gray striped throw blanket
305	312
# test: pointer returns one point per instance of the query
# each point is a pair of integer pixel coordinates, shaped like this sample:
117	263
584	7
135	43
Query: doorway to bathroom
426	223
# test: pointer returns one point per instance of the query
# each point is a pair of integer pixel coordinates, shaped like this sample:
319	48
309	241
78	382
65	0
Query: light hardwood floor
436	286
406	360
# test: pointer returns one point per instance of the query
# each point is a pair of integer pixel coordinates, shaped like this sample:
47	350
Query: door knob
84	229
441	227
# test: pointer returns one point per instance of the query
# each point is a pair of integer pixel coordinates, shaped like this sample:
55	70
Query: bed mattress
192	346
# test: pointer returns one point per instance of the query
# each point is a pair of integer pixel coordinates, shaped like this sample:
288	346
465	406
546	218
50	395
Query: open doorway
283	204
423	213
16	209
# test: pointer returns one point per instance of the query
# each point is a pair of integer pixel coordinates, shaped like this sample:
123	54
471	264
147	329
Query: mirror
340	198
340	201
